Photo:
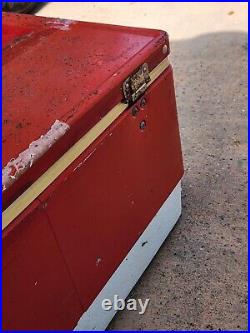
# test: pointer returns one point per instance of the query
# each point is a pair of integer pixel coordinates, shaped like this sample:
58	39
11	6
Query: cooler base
132	267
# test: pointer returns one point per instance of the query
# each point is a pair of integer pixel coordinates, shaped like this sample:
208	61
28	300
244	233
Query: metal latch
136	84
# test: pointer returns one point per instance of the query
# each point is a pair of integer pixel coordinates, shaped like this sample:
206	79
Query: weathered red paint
115	188
38	293
65	70
76	233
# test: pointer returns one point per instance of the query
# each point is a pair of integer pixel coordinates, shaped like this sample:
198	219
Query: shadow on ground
198	280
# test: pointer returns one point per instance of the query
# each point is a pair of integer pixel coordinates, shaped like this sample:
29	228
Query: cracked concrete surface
198	279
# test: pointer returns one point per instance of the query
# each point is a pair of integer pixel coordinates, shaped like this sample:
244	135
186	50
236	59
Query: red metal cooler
92	167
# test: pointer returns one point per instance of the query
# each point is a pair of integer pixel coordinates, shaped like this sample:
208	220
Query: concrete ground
198	279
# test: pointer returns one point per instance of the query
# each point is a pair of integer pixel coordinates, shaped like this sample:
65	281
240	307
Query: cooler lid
60	77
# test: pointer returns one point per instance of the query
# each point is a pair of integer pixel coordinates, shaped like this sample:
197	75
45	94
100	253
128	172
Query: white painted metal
132	267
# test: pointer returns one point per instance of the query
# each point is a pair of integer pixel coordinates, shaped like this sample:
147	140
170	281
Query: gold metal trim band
26	198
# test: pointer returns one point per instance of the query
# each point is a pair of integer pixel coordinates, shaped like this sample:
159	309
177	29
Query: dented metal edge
26	198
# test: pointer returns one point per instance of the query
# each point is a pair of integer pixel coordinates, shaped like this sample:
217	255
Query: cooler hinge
136	84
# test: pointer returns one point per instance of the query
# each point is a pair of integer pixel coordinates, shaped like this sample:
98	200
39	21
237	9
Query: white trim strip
132	267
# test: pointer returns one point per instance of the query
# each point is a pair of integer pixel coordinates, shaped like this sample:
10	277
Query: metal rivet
135	110
142	125
165	49
143	102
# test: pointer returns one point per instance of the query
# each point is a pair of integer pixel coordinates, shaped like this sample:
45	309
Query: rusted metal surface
136	84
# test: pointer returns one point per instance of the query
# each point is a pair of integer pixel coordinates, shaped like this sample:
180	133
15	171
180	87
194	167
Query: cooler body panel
38	292
85	211
103	202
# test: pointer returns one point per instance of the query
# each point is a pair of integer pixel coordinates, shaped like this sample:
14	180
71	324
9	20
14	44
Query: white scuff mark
17	166
60	24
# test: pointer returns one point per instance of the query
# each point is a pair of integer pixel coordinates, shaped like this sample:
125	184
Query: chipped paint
60	24
17	166
98	260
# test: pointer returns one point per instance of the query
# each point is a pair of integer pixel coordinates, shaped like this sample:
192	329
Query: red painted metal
115	188
60	252
65	70
38	292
